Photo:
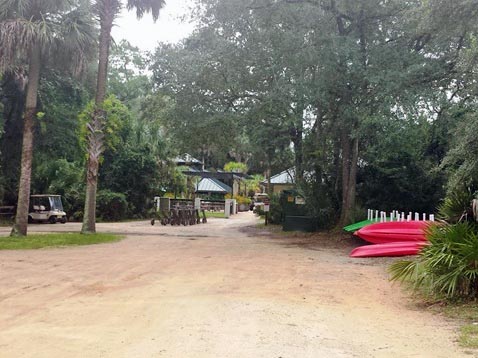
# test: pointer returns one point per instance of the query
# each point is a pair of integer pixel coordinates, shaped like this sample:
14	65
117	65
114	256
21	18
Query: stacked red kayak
392	231
396	238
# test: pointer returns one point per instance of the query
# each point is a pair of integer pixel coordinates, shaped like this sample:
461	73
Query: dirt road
214	290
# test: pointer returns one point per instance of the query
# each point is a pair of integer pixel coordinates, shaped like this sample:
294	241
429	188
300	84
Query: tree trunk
96	126
21	217
345	144
269	185
349	181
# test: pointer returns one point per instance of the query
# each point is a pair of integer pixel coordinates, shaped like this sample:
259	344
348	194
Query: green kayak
359	225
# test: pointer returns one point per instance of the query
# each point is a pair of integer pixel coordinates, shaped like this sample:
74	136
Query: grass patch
467	312
469	336
467	315
215	214
38	241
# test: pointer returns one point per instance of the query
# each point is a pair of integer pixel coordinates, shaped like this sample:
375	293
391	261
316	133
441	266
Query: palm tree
30	32
108	10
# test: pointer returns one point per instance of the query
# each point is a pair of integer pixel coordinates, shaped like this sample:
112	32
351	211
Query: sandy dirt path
214	290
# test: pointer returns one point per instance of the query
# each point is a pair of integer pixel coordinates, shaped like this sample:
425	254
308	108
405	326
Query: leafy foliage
117	124
276	214
132	171
372	102
456	206
112	206
461	159
399	182
236	167
63	178
447	267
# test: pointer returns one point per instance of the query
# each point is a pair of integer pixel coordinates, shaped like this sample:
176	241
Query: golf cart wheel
152	222
52	220
30	219
63	220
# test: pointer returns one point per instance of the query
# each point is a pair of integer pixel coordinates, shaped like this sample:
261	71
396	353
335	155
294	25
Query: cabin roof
212	185
285	177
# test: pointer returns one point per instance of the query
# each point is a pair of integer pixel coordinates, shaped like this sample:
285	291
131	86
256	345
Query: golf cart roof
43	195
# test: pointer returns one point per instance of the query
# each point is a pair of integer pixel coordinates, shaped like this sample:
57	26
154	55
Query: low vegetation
469	336
467	313
215	214
447	268
446	271
38	241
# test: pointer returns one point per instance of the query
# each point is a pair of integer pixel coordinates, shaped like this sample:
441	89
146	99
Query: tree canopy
373	103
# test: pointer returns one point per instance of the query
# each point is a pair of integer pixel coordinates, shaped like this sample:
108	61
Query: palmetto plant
447	267
107	11
32	31
457	206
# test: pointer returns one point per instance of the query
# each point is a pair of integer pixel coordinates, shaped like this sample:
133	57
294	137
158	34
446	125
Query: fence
395	215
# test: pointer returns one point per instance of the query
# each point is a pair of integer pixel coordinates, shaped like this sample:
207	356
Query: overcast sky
145	34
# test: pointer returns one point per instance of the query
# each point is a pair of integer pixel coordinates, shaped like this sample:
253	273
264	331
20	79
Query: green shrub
447	267
276	215
259	210
457	206
236	167
319	202
242	200
111	206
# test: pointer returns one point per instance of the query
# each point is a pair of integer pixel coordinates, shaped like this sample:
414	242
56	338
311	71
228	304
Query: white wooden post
197	203
227	208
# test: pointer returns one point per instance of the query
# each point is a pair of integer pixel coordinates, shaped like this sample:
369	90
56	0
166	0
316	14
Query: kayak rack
177	212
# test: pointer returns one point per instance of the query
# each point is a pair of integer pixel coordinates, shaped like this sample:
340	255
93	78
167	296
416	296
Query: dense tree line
372	101
60	35
364	98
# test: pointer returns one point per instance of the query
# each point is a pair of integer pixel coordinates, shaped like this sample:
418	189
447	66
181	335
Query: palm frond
404	270
64	29
76	39
455	206
16	37
146	6
447	267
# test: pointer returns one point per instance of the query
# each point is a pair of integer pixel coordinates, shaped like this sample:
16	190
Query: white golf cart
46	208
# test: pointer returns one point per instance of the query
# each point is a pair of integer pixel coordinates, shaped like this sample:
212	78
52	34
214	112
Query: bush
242	200
457	205
276	214
399	181
111	206
448	267
319	203
236	167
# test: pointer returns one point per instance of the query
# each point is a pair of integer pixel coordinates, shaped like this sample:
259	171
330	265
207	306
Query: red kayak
399	248
382	233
